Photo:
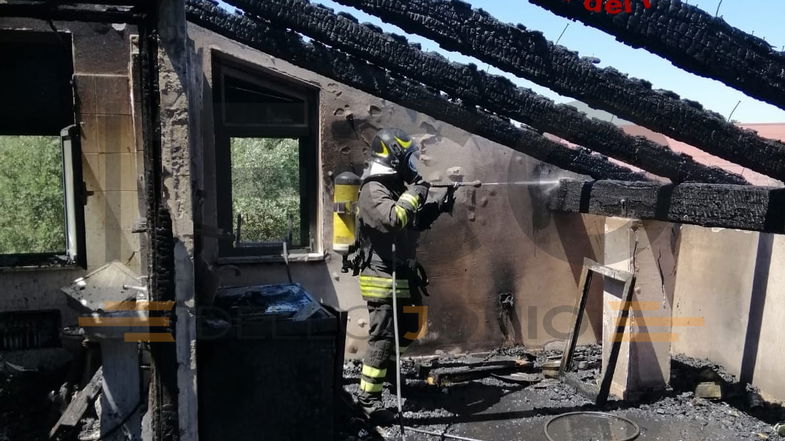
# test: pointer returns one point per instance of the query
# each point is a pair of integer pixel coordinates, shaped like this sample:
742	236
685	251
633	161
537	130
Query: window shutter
74	200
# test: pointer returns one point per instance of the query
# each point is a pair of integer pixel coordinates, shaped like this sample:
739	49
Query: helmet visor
412	158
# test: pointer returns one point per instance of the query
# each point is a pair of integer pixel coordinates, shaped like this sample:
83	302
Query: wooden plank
613	358
621	276
597	393
741	207
77	408
577	312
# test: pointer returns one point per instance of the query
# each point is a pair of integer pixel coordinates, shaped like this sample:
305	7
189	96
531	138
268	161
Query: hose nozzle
475	184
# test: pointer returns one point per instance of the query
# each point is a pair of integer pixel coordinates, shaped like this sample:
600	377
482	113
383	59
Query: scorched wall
500	240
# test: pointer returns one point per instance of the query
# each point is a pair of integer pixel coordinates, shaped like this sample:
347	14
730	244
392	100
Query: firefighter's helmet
394	148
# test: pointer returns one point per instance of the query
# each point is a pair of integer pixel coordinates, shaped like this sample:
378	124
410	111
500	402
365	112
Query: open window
266	153
42	218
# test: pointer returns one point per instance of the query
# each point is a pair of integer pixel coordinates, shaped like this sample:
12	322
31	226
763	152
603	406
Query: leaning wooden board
76	409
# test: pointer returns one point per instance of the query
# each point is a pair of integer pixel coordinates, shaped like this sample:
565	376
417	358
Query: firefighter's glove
420	189
447	203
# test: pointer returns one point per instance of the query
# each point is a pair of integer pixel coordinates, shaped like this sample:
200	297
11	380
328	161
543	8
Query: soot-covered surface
491	409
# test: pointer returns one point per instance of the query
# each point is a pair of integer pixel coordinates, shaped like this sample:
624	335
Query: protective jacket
388	214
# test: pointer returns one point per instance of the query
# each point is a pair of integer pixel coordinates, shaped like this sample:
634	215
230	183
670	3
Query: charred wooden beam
359	74
53	11
163	394
693	40
743	207
475	87
458	27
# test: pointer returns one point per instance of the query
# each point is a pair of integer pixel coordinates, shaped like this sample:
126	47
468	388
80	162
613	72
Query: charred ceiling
477	88
693	40
387	66
458	27
358	73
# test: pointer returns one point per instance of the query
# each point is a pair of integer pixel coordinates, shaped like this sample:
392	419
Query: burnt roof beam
742	207
528	54
133	14
693	40
357	73
474	87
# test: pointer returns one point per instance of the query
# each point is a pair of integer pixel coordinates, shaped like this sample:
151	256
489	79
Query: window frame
74	247
224	66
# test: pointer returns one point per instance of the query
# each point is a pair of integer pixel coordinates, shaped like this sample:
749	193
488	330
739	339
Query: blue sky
764	18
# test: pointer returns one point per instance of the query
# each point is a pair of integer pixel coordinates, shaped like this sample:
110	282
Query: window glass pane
31	195
266	190
250	104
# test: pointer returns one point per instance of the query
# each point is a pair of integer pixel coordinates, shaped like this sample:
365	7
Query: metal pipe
443	435
458	184
397	344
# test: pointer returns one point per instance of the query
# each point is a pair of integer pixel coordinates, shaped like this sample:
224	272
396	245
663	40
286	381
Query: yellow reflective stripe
370	371
402	284
412	199
403	216
387	291
385	294
384	285
370	387
404	144
385	150
380	279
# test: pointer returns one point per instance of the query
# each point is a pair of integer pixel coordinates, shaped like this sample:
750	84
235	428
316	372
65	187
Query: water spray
478	184
544	183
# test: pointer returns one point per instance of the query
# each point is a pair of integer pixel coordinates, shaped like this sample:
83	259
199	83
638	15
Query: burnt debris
458	27
693	40
710	205
358	73
475	87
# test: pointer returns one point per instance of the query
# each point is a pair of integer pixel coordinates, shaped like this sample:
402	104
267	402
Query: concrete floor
492	410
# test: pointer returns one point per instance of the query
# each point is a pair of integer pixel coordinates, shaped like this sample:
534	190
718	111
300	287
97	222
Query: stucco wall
499	238
734	280
111	164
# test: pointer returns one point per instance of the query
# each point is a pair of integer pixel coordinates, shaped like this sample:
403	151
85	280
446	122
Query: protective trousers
380	355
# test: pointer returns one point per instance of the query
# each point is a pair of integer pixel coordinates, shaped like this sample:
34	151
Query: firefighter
392	209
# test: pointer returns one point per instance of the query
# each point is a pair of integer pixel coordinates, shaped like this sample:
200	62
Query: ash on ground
491	409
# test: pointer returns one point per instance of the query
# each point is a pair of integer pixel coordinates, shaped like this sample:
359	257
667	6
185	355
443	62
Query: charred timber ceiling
108	11
476	88
359	74
693	40
457	27
711	205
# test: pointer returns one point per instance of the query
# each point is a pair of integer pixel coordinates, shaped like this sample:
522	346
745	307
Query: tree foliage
266	189
31	195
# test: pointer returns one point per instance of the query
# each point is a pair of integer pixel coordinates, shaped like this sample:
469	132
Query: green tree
266	189
31	195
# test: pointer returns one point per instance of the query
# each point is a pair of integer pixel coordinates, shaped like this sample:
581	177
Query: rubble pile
526	53
695	41
477	88
358	73
28	408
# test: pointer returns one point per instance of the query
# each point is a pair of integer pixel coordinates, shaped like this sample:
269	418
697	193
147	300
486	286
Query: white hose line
397	345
